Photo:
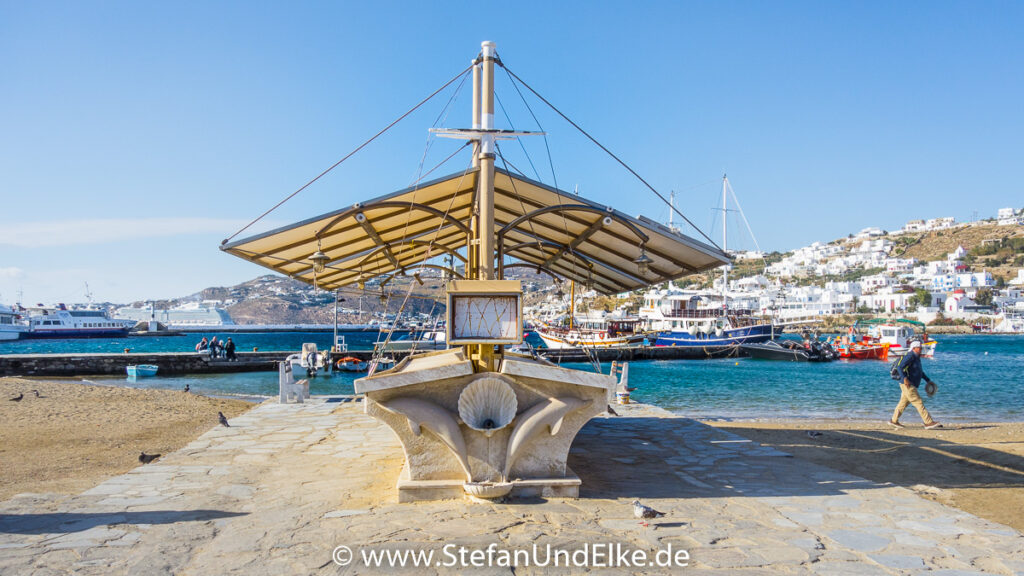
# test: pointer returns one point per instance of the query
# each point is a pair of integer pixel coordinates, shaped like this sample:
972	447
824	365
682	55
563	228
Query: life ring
601	336
338	364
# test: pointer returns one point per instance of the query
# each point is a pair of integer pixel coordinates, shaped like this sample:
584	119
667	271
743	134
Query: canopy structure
429	225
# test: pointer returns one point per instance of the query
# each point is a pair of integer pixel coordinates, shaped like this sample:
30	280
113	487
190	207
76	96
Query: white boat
309	360
898	334
426	340
11	326
80	323
141	370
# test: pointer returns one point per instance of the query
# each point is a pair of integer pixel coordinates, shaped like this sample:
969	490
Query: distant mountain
273	299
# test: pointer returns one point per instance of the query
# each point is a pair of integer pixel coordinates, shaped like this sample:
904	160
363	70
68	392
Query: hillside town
873	272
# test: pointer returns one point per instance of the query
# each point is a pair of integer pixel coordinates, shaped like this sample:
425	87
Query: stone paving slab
283	486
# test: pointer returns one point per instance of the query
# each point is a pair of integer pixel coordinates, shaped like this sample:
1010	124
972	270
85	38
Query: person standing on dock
229	350
910	368
214	348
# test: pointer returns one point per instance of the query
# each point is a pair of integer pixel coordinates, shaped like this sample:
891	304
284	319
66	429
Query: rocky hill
273	299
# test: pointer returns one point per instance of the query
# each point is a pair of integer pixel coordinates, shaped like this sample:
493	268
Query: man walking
910	368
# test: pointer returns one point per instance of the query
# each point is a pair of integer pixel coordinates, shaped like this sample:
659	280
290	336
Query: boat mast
572	302
725	239
671	209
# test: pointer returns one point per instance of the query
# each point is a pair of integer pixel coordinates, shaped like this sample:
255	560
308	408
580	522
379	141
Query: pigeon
612	411
147	458
645	512
187	388
18	397
813	433
36	392
223	421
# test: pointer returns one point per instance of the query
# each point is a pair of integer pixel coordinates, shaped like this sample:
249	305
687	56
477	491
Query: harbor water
979	378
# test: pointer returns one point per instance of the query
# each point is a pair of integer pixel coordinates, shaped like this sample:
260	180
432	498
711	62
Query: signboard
485	312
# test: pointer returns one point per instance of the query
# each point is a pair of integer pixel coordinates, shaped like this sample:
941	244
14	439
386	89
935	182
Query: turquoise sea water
981	378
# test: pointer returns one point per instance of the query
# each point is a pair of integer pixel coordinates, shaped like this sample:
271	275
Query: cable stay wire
547	147
610	153
350	154
519	139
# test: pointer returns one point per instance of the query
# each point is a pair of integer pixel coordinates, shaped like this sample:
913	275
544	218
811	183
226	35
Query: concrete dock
287	485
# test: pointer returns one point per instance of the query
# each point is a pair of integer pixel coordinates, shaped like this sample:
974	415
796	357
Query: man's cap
915	344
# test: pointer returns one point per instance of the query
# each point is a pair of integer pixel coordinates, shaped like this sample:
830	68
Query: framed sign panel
485	312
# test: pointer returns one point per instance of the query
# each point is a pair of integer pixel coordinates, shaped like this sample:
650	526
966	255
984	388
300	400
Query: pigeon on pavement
147	458
612	411
223	421
187	388
813	433
36	392
645	512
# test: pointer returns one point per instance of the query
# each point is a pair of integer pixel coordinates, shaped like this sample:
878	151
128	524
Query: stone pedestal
484	434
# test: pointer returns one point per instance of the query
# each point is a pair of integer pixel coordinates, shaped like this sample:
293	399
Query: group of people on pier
217	348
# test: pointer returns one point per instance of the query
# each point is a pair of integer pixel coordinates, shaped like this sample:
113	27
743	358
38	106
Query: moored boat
141	370
790	350
11	326
351	364
81	323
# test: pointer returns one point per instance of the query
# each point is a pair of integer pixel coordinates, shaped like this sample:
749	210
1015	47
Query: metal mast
725	240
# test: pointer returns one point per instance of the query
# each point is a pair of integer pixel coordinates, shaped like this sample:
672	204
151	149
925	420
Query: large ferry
82	323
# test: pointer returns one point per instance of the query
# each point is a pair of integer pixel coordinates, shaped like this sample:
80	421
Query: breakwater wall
172	363
169	363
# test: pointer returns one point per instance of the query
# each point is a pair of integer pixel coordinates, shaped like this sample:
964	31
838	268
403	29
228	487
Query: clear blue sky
135	136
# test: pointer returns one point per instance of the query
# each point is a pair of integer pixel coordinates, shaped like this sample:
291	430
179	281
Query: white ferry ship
11	325
81	323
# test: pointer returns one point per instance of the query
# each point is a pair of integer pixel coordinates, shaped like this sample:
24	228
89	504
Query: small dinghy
141	370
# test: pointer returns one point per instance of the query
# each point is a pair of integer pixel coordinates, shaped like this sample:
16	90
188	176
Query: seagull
612	411
18	397
147	458
813	433
222	419
645	512
187	388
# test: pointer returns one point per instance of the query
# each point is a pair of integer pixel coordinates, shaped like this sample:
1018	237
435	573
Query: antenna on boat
671	210
88	295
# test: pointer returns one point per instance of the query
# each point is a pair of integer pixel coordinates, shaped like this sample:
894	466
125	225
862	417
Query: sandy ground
74	436
978	468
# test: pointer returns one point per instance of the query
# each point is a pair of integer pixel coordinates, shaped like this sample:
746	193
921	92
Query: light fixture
319	259
643	262
361	285
383	297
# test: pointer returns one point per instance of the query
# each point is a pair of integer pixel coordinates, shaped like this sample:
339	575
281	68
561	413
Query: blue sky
135	136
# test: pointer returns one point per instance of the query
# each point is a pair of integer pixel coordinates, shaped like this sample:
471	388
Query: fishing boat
591	330
350	364
861	350
898	334
141	370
